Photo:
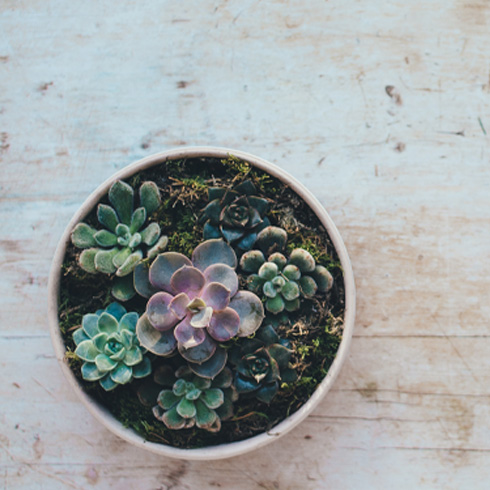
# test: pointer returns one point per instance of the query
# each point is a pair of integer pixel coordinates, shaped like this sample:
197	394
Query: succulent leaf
107	217
150	234
79	336
308	287
252	260
82	236
211	368
222	274
87	260
211	252
275	305
150	197
272	239
87	351
130	264
105	238
142	369
123	288
141	281
163	268
161	343
89	324
158	248
323	278
90	372
121	196
250	310
302	259
104	261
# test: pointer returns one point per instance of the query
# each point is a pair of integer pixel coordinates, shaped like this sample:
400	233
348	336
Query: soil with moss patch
315	330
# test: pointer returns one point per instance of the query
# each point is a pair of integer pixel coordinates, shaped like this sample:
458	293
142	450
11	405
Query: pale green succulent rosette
109	347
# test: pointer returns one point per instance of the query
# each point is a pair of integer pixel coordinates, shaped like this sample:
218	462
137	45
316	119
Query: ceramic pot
234	448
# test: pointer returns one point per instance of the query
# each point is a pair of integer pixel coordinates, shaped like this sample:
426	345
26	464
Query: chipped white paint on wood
404	172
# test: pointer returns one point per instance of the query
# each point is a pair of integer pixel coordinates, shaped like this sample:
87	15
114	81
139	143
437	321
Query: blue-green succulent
108	345
125	239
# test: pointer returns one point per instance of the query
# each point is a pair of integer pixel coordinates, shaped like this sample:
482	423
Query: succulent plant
192	400
108	345
283	280
261	364
124	241
197	307
236	214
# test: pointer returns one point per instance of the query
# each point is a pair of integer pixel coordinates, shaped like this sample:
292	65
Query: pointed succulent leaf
159	313
292	272
87	260
100	341
211	252
248	241
116	310
267	392
275	305
142	369
137	219
188	280
167	399
212	211
127	338
205	417
323	278
244	385
213	398
122	288
105	238
107	382
268	271
308	287
224	325
280	354
302	259
246	187
104	363
150	234
252	260
290	291
259	203
212	367
292	305
187	336
278	282
158	248
133	356
103	261
121	196
82	236
226	410
129	321
250	310
90	372
108	323
122	374
130	264
272	239
279	259
90	324
173	420
79	336
186	408
121	256
159	343
232	234
86	351
141	281
201	353
150	197
222	274
122	231
163	268
216	193
211	231
268	335
107	217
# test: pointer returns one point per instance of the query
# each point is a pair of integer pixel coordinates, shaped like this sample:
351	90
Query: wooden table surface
381	108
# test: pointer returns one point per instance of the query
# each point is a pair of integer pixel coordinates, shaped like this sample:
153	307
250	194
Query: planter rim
225	450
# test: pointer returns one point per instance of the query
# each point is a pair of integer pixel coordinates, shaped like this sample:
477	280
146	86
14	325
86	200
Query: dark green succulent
192	400
281	280
236	214
124	241
261	364
108	345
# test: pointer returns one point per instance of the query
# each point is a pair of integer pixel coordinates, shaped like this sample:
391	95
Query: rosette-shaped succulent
125	240
280	279
108	345
237	215
197	307
191	400
261	364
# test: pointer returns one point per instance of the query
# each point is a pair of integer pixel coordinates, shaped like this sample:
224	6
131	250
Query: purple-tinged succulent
123	243
237	215
108	345
189	400
197	307
261	364
280	279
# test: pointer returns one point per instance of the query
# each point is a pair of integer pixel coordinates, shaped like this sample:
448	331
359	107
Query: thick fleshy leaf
187	280
213	211
272	239
159	313
201	353
179	388
302	259
104	363
90	324
150	196
252	260
280	354
205	417
292	272
292	305
210	231
82	236
130	264
79	336
158	248
163	268
255	283
199	382
116	310
122	374
216	296
142	369
268	271
100	341
167	399
135	241
129	321
121	196
108	323
288	375
186	408
216	193
226	410
213	398
223	274
290	291
193	394
269	290
128	338
275	305
123	234
202	318
250	310
247	242
173	420
86	351
87	260
279	259
245	385
212	367
105	238
179	305
267	392
133	356
211	252
232	234
107	216
224	325
107	383
160	343
150	234
308	287
187	335
103	261
121	256
90	372
246	187
141	281
323	278
137	219
259	203
122	288
223	379
267	334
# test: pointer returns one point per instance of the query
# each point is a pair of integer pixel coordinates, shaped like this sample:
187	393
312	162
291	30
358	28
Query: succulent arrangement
213	332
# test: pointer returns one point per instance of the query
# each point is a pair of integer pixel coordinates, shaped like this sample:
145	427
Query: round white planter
234	448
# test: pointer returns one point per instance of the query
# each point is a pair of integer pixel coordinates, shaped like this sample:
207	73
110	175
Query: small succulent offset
123	243
261	364
280	279
197	307
195	401
108	345
236	214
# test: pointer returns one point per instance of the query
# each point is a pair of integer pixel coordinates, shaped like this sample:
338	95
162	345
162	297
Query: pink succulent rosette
197	306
